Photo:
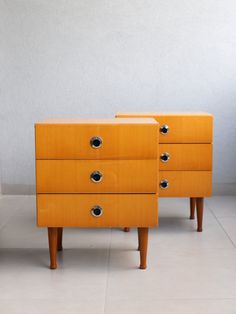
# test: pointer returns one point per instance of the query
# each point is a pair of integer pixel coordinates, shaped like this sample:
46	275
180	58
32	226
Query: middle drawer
185	157
96	176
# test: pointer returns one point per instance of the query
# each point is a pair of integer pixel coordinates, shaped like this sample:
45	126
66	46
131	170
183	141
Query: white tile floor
188	272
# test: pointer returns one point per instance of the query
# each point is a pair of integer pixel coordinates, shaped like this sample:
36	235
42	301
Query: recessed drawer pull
96	142
97	211
165	157
164	129
164	184
96	176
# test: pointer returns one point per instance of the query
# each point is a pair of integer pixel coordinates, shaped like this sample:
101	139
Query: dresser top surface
161	114
81	121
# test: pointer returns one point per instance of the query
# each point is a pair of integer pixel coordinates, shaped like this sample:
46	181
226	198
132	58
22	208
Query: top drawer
96	139
180	128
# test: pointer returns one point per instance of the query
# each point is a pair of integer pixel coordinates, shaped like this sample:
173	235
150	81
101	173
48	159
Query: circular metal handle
165	157
164	184
164	129
96	176
96	142
97	211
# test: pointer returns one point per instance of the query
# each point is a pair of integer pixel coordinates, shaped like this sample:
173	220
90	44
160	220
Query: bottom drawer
185	183
96	210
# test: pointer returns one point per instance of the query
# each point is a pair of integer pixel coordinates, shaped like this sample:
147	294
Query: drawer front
181	128
186	129
112	210
185	183
76	141
113	176
185	157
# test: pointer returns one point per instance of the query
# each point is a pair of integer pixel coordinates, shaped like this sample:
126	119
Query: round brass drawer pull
97	211
164	184
96	142
164	129
96	176
165	157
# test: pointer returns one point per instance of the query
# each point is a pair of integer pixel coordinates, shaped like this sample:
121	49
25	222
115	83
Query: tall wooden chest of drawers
185	156
96	173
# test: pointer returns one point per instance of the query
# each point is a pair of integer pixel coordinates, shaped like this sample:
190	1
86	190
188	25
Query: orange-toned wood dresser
96	173
185	160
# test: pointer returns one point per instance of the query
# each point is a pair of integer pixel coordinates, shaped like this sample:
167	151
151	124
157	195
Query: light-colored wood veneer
185	156
96	173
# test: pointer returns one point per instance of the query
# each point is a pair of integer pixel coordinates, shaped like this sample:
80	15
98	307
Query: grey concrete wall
94	58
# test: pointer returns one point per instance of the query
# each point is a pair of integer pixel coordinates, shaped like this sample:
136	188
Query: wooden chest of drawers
185	156
96	173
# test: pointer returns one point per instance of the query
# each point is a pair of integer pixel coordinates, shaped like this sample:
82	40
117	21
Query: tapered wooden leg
143	243
200	205
126	229
138	240
59	239
52	240
192	207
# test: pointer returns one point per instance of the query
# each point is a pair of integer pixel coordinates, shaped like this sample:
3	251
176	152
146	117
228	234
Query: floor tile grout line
186	299
222	227
108	270
227	216
150	299
197	299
